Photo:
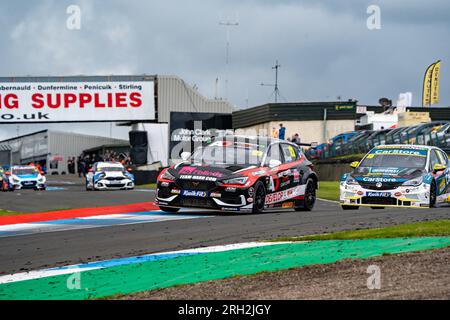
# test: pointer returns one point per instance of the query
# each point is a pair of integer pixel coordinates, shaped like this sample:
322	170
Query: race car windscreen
228	155
111	169
391	158
25	171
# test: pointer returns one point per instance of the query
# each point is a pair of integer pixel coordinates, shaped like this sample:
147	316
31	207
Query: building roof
297	111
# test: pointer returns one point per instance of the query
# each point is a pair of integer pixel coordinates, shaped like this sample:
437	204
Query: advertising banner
190	129
431	84
435	79
40	102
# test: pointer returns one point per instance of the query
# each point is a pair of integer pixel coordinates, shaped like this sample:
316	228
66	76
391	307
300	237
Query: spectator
281	132
274	133
296	139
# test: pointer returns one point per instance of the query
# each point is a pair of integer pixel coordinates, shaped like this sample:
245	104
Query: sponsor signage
285	195
40	102
194	193
378	194
406	152
189	130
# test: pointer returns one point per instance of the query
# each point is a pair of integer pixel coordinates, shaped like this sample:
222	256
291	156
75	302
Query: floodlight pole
228	25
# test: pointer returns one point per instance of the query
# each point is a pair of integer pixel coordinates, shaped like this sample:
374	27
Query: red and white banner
76	101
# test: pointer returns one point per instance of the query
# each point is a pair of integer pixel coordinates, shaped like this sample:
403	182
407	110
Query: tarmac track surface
43	250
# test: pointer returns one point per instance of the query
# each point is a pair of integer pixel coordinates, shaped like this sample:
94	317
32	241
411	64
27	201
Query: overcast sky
324	47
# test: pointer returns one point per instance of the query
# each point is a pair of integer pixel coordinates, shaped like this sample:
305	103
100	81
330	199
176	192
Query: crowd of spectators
86	161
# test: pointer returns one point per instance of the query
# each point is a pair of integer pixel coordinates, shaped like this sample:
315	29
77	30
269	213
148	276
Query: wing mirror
439	167
274	163
185	156
354	164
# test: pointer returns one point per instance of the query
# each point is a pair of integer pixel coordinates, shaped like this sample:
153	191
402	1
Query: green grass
147	186
348	156
420	229
328	190
4	213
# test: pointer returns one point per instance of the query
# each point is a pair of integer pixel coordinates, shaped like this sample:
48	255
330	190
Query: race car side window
274	153
434	159
442	156
290	153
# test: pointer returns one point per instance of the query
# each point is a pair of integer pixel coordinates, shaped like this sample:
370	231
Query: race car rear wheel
169	209
307	204
350	207
259	198
433	195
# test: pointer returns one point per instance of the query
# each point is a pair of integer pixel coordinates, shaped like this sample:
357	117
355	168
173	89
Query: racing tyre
307	204
168	209
350	207
259	198
433	195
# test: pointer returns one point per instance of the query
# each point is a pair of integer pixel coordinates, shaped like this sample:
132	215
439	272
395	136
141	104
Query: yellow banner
435	79
426	96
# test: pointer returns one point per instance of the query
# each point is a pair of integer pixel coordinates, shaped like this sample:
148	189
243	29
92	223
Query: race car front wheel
169	209
307	204
259	198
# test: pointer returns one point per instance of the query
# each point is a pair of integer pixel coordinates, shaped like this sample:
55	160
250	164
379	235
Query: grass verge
5	213
328	190
349	156
420	229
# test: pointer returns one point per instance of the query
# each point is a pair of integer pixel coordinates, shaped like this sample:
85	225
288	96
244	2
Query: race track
50	248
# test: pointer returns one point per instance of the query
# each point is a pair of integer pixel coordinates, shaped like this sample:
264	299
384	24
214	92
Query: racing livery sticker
285	195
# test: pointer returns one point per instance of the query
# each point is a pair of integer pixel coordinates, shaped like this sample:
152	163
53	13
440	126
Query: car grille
379	200
385	186
28	184
194	202
115	185
114	178
196	185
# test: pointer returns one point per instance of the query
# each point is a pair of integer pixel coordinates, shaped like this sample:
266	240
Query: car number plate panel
194	193
378	194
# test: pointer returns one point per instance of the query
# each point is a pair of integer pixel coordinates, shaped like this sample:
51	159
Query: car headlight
239	180
351	181
41	180
167	175
414	182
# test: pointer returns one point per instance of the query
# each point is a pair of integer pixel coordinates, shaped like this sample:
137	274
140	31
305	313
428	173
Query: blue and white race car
26	177
5	185
398	176
109	176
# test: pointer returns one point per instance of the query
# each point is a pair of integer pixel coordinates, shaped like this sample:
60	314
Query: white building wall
309	131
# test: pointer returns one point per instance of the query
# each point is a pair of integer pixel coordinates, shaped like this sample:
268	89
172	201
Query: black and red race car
235	173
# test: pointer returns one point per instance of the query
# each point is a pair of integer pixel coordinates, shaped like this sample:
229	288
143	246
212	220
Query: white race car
398	176
26	177
109	176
